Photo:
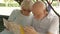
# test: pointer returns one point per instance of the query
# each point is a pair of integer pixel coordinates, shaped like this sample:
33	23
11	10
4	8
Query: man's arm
54	28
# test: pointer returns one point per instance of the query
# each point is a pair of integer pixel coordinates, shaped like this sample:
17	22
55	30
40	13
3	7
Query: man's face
37	10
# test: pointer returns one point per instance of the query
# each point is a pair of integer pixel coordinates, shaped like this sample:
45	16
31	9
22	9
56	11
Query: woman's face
26	10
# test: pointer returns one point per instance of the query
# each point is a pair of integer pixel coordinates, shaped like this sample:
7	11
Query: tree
19	1
6	2
11	0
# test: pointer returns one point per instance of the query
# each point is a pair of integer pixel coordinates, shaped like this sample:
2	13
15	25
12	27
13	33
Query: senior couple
35	19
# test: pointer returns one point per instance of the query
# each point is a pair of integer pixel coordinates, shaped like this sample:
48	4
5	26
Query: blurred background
13	3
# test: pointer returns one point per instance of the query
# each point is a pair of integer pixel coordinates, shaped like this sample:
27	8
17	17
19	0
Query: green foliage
10	0
2	4
5	0
9	5
13	5
55	3
54	0
34	0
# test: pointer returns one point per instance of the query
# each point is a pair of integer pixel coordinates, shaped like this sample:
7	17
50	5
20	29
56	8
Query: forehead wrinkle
39	5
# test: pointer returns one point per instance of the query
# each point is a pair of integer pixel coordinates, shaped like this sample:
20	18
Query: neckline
23	15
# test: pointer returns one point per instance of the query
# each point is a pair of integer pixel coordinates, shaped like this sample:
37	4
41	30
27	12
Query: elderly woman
22	16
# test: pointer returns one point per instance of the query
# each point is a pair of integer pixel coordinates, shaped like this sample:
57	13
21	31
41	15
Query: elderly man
22	16
43	22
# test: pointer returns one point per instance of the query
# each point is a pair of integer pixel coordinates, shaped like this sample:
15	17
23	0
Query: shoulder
53	17
15	11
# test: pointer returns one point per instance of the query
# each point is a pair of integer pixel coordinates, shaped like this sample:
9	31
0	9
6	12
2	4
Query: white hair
39	4
27	4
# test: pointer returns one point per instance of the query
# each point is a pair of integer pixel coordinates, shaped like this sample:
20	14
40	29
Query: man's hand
49	33
30	30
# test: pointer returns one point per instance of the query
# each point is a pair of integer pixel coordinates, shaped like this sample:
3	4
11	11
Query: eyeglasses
26	10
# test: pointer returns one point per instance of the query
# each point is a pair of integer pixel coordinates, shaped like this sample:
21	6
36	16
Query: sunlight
1	1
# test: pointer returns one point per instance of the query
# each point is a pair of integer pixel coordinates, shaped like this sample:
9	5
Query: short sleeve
54	28
13	15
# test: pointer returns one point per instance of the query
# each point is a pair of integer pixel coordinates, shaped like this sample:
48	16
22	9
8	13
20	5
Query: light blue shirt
18	18
48	24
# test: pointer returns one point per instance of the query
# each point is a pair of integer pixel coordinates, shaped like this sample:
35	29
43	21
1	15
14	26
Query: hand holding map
12	26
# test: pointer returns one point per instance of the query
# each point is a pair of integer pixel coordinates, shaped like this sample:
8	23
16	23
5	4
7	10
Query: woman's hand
30	30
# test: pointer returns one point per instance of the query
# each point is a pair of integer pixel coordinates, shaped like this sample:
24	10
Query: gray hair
27	4
40	4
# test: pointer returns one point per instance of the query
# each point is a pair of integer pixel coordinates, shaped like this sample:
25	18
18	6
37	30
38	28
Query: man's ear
45	11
